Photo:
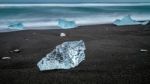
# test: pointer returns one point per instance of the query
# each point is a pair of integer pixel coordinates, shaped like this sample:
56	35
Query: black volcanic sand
113	56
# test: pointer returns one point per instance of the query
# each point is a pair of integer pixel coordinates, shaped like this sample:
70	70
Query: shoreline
53	28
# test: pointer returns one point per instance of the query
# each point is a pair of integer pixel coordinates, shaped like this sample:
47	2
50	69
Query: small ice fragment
15	51
62	34
65	24
26	39
145	22
6	58
16	26
127	20
143	50
65	56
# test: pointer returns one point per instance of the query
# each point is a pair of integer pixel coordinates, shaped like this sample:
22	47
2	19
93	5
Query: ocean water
45	16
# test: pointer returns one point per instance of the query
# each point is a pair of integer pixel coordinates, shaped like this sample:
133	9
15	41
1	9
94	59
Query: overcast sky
28	1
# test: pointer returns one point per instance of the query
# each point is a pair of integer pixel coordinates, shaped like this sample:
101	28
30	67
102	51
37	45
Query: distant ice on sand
127	20
65	24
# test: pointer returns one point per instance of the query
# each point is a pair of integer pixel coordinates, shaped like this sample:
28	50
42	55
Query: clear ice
65	56
127	20
16	26
64	24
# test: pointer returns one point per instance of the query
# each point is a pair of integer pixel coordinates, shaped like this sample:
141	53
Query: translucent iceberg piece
65	56
64	24
6	58
62	34
145	22
16	26
127	20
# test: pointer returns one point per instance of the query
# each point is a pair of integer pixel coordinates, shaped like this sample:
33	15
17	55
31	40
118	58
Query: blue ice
127	20
65	24
65	56
16	26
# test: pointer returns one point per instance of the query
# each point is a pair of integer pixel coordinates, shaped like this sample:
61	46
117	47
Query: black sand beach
113	56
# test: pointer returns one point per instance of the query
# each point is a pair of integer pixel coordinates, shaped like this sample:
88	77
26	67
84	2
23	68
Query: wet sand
113	55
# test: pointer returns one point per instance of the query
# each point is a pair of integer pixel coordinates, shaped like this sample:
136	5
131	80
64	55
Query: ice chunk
16	26
6	58
145	22
15	51
127	20
62	34
65	56
64	24
143	50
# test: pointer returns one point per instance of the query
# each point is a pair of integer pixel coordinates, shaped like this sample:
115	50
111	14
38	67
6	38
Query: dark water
48	16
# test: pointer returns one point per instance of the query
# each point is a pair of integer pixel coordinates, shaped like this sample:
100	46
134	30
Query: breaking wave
43	16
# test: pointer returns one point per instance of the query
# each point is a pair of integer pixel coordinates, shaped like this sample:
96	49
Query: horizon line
72	4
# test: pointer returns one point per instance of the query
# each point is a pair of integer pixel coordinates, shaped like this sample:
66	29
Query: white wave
75	5
80	21
104	18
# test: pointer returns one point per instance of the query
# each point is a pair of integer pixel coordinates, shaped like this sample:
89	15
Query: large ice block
65	24
127	20
16	26
65	56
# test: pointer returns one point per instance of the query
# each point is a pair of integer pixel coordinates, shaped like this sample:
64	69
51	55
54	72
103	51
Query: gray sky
9	1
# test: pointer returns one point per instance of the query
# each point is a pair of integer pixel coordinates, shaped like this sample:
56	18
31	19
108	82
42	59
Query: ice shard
62	34
65	24
127	20
16	26
65	56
